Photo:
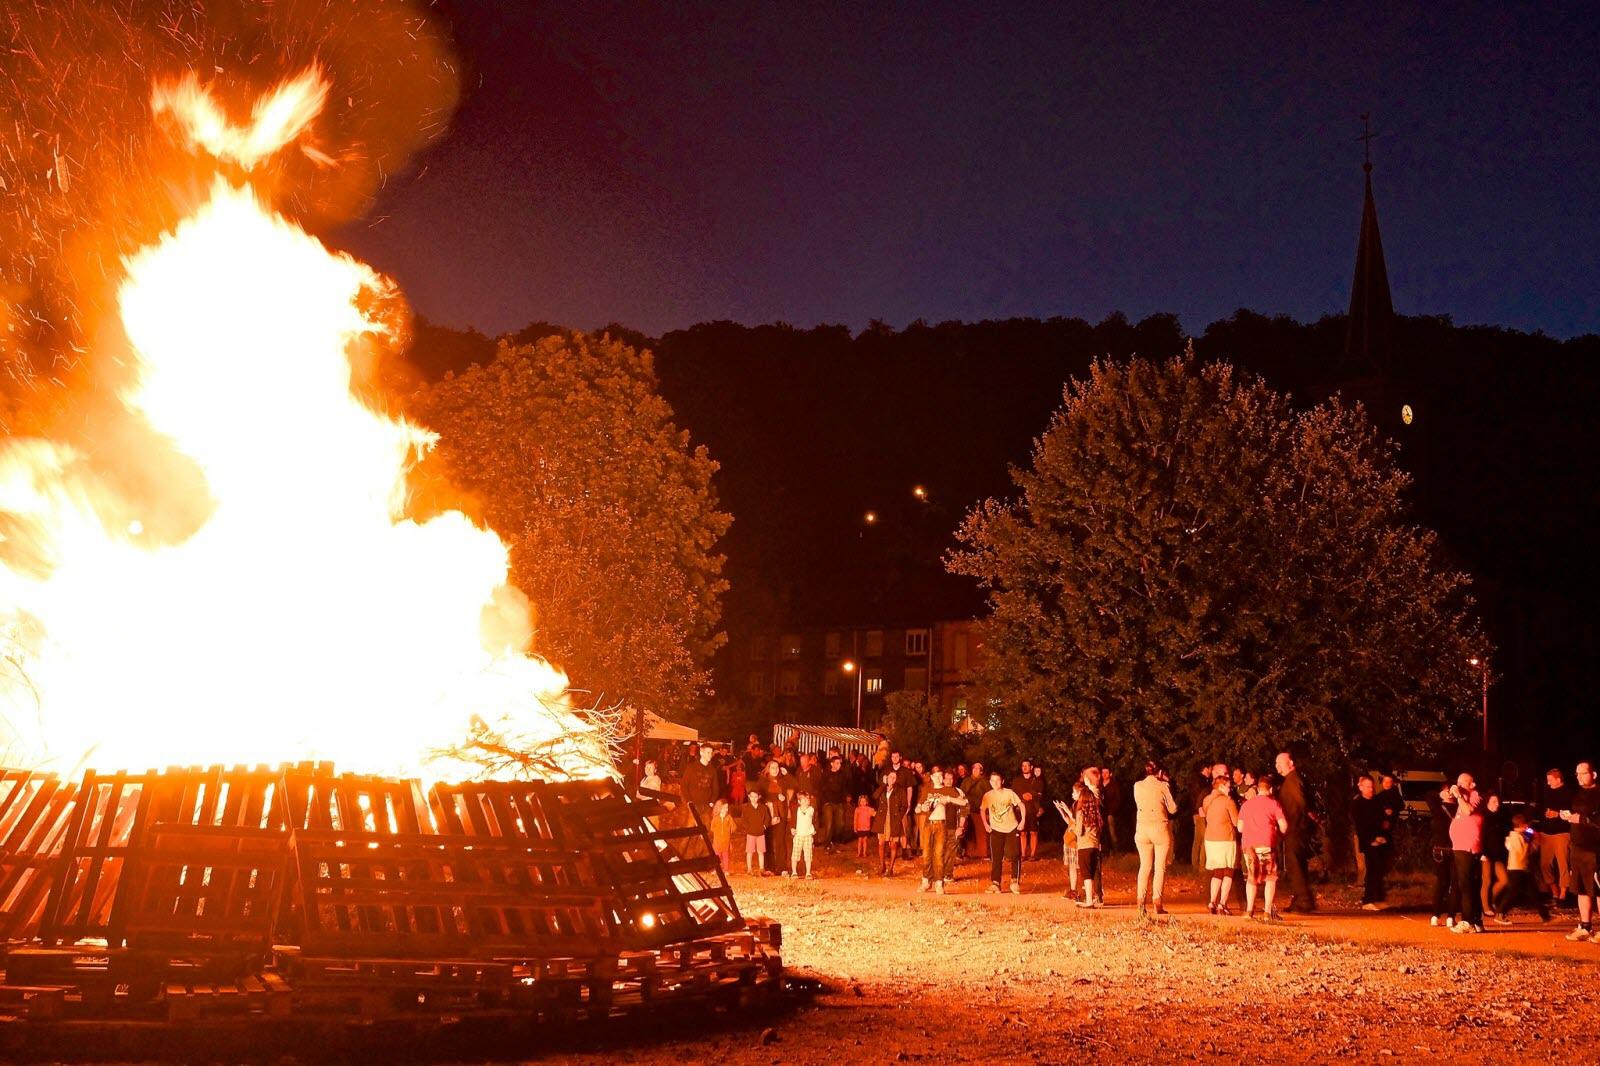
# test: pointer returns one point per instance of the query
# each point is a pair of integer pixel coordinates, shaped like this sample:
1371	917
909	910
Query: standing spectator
1152	833
1026	788
736	782
1444	870
1583	814
1221	832
754	820
723	828
1004	816
941	801
975	788
805	835
1494	875
864	814
1111	803
1199	792
1520	887
1554	841
701	783
1466	845
1088	821
831	791
649	781
1297	839
1373	820
1262	825
919	814
808	778
890	824
1041	810
881	757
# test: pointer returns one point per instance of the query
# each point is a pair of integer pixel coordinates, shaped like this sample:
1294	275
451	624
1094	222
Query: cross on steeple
1366	140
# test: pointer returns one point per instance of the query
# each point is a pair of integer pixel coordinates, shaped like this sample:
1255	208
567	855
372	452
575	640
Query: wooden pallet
35	809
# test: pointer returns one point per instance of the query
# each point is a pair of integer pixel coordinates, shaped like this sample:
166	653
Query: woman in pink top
1466	844
1262	824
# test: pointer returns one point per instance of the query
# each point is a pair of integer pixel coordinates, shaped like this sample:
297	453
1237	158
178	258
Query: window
758	684
916	642
831	645
830	683
874	681
874	643
758	648
916	679
789	683
959	714
791	645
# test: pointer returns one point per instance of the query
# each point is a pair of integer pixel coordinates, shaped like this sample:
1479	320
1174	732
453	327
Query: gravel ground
970	977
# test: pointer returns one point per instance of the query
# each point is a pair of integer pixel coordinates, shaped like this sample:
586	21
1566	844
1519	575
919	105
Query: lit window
831	645
874	681
791	645
916	642
789	683
874	643
959	714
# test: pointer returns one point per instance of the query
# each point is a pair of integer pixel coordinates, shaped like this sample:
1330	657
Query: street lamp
1482	663
920	493
870	518
849	666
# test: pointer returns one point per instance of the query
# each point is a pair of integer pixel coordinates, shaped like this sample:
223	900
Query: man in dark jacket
1297	841
702	783
831	791
1583	814
1555	837
1374	823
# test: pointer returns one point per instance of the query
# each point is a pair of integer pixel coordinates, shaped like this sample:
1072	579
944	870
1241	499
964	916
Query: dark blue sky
662	164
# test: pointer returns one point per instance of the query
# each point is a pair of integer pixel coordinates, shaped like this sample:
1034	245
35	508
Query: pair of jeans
1154	844
1004	846
832	823
1466	871
1377	868
1443	879
934	864
1521	889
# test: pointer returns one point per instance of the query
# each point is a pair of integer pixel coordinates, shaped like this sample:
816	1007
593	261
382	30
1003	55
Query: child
1087	821
864	816
754	818
1519	880
722	830
805	835
1069	843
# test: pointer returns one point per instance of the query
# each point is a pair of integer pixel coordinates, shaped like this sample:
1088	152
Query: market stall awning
823	737
658	728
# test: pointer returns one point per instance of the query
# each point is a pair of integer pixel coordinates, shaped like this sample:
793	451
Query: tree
1194	570
918	729
569	452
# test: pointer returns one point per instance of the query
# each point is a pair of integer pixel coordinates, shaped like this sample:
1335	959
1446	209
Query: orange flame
306	616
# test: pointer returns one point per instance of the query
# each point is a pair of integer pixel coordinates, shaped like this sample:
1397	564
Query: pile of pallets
256	896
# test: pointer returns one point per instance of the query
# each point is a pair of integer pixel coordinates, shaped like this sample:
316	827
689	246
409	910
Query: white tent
658	728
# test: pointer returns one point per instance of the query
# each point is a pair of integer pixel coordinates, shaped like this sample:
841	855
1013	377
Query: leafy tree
572	456
1192	569
918	729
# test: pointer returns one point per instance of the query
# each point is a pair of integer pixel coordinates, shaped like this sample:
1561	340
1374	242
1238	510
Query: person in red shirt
1262	825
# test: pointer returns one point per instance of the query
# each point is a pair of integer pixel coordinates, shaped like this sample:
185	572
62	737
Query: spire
1371	311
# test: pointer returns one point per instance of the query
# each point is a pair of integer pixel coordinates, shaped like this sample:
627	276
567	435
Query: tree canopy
567	449
1193	569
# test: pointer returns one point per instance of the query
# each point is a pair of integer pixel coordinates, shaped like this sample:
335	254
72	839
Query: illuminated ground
977	978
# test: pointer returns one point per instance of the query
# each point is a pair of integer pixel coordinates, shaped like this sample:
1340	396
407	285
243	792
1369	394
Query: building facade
816	674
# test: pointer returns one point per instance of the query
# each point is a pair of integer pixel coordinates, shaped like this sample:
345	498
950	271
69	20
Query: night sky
659	165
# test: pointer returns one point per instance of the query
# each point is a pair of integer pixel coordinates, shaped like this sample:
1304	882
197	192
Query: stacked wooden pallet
260	894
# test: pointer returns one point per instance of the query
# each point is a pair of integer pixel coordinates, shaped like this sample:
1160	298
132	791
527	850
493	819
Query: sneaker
924	886
938	886
994	886
786	873
1476	928
1016	888
1461	927
1434	921
1580	933
1501	919
1081	903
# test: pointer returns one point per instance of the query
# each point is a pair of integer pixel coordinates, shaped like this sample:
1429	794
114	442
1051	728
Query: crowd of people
1250	831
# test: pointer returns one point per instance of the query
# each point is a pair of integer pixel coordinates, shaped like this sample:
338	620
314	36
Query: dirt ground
971	977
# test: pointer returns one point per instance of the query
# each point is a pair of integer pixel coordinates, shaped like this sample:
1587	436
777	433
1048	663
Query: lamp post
850	666
1482	663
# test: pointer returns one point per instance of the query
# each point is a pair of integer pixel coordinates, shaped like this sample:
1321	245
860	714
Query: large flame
304	616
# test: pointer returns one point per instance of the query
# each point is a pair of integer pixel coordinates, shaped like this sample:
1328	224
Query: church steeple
1371	310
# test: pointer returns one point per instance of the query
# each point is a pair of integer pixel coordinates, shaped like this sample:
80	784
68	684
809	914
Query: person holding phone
1582	859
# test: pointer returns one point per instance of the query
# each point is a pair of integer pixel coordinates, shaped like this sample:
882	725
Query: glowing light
848	666
920	493
870	518
278	118
301	615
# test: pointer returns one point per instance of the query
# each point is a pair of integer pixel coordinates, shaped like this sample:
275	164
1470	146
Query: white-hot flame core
306	617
